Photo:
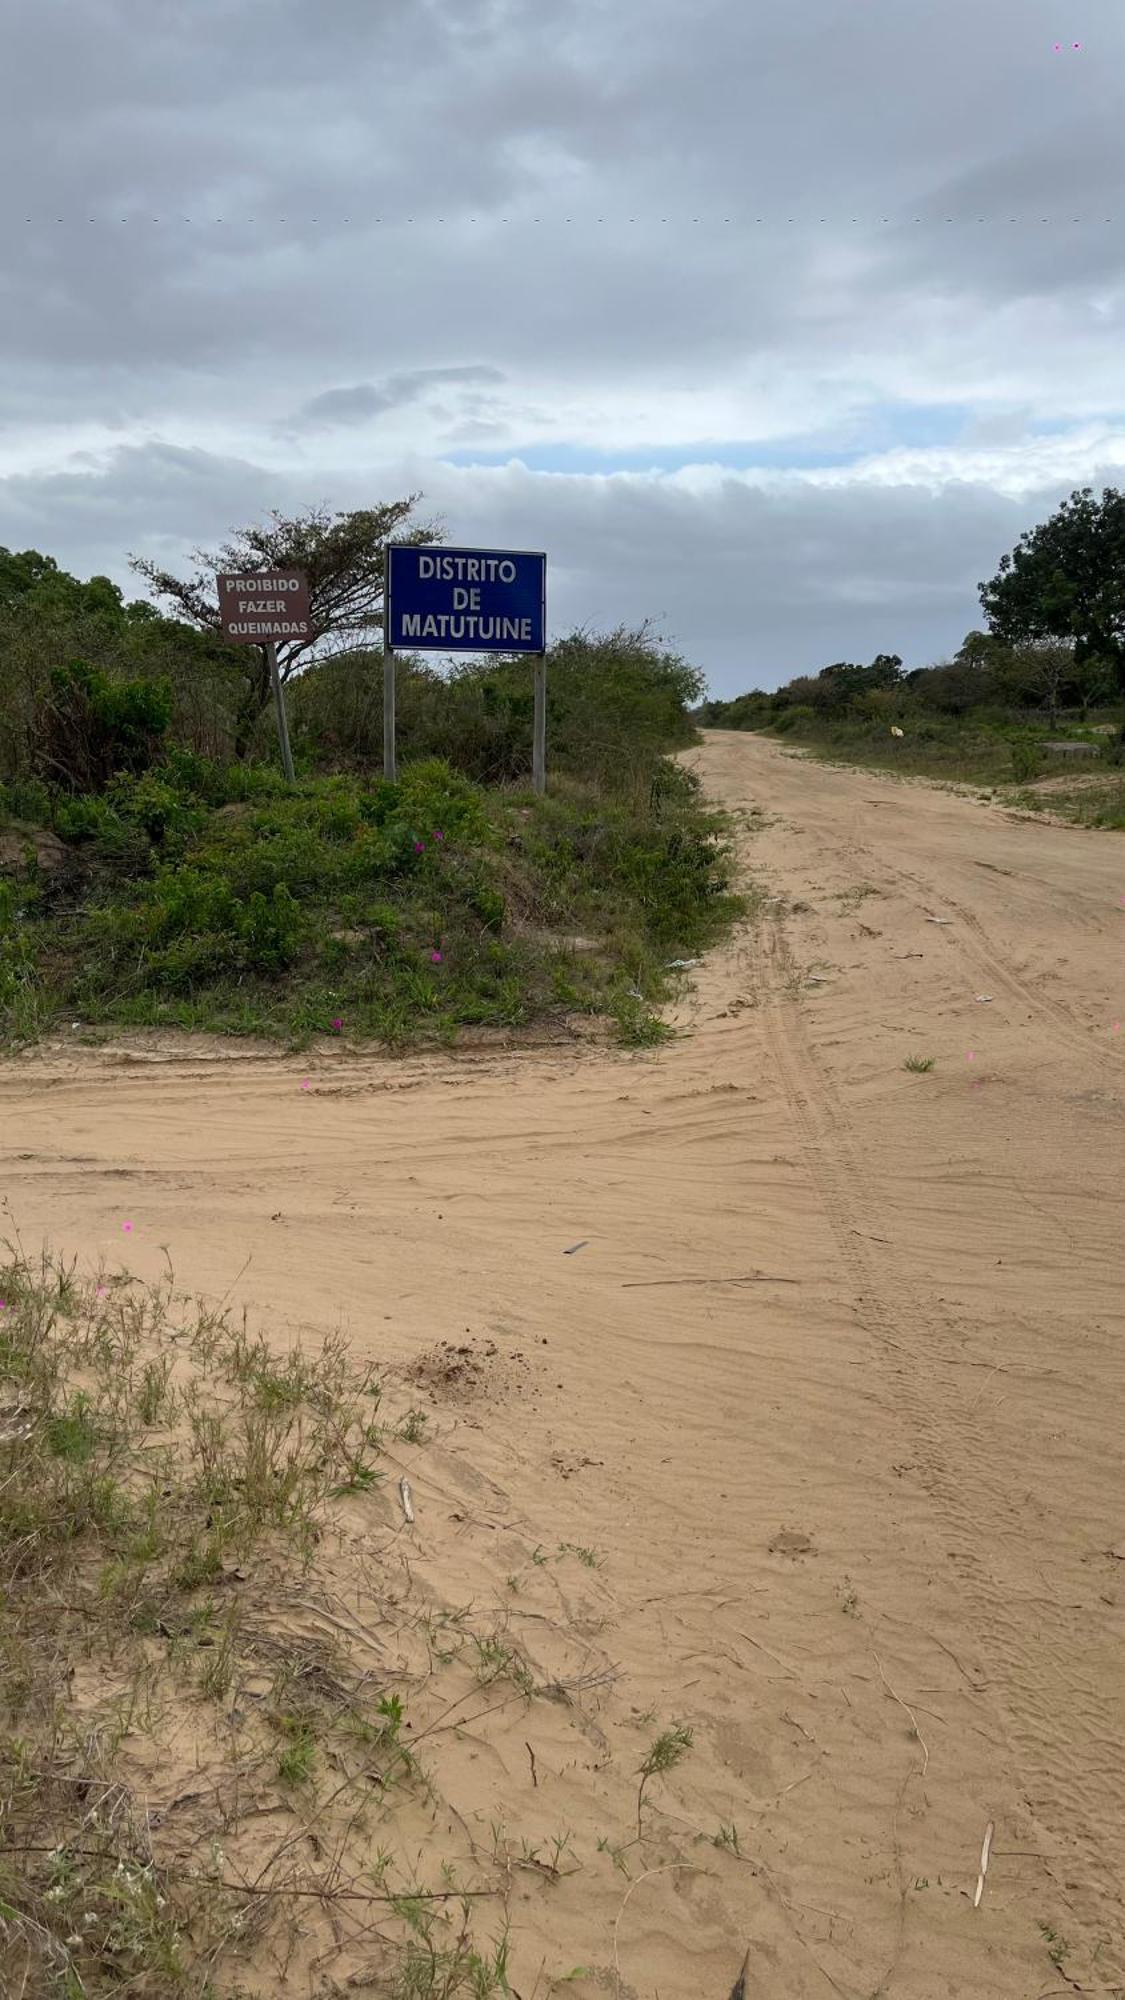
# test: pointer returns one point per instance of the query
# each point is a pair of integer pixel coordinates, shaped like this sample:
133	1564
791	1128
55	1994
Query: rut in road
1063	1733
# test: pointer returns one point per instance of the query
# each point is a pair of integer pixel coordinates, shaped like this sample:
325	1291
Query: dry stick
910	1712
664	1869
791	1671
1049	1992
755	1278
282	1888
353	1631
984	1854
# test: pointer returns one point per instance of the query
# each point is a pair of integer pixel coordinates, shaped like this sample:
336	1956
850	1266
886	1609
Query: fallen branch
910	1712
755	1278
324	1894
984	1854
664	1869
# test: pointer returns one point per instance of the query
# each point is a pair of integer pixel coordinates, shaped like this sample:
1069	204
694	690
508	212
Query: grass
167	1482
198	1786
664	1753
198	898
1098	803
919	1065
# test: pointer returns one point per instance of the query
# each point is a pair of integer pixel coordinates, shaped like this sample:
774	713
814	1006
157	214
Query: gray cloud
365	400
289	253
754	582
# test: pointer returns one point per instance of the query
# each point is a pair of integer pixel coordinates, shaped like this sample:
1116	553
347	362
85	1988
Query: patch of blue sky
1058	426
880	427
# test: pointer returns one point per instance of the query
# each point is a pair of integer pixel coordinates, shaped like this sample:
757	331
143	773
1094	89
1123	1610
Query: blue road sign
443	600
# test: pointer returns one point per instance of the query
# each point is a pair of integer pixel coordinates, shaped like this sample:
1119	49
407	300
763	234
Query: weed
429	1971
662	1756
495	1658
296	1762
850	899
71	1433
1057	1947
727	1836
359	1477
637	1026
918	1065
589	1558
616	1850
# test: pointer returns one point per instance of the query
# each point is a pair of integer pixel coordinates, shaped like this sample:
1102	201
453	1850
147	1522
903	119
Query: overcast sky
774	324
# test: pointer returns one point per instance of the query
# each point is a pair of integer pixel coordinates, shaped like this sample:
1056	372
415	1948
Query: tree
1043	670
1066	581
342	556
953	687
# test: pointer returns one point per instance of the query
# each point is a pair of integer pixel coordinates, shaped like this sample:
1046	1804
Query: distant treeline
987	679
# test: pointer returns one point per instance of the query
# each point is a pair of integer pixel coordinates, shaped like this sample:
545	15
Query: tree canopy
341	554
1065	580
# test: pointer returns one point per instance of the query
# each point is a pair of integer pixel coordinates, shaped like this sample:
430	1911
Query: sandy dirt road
834	1387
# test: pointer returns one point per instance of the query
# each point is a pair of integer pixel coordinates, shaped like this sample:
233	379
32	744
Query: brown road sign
261	610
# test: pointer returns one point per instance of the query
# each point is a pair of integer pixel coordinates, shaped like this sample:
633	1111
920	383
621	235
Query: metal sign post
279	703
539	727
390	759
454	600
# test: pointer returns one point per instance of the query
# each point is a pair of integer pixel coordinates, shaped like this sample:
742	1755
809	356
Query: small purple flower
435	957
336	1026
439	835
419	847
3	1305
126	1226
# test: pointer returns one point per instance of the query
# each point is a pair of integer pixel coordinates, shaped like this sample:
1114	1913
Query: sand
832	1390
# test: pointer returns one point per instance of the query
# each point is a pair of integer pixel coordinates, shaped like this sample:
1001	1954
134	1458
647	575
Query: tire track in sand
1063	1732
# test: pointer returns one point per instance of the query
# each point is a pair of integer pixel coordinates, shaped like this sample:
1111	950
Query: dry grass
201	1767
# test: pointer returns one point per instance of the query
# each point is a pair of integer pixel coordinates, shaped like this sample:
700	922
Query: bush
794	718
95	726
1027	758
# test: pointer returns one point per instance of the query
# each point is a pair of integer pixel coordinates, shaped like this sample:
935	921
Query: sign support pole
390	759
282	724
539	729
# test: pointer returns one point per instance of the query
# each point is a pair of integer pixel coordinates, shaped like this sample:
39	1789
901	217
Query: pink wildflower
436	957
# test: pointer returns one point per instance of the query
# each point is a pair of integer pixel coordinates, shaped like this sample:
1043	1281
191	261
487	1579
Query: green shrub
798	717
82	818
27	799
154	805
95	726
1027	758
